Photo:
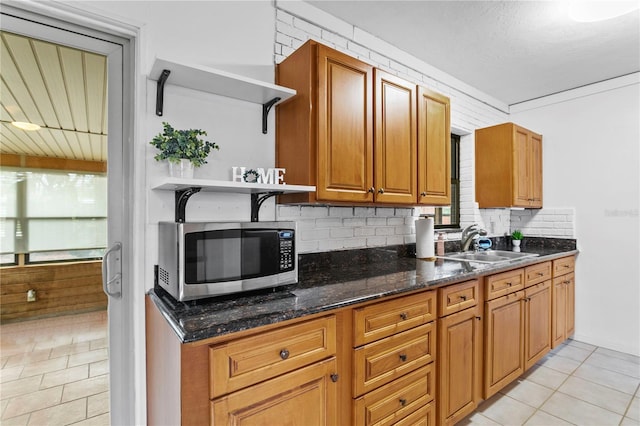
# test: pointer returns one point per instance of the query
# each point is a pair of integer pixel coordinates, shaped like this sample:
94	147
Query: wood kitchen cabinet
325	133
434	148
508	167
537	313
459	351
393	356
563	300
504	330
352	131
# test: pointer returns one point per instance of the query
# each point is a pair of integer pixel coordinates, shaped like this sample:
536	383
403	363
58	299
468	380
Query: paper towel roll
424	238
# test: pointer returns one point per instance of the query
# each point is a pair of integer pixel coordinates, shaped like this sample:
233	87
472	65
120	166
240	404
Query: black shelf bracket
181	202
256	202
265	112
160	91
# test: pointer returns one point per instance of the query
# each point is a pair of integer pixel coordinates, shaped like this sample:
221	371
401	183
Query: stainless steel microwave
197	260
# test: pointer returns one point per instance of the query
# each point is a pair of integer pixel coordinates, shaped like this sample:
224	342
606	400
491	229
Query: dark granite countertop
329	281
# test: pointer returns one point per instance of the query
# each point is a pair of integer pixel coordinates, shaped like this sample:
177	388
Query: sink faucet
470	234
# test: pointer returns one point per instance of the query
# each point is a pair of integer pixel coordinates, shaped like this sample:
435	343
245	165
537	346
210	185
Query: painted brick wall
558	222
322	228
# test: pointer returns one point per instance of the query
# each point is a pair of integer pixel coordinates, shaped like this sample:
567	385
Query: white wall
591	162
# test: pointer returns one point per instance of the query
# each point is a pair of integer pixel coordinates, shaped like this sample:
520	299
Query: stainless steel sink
489	256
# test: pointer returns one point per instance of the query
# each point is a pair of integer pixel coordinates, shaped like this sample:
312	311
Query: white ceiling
513	51
61	89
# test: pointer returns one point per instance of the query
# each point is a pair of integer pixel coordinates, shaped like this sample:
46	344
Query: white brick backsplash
322	228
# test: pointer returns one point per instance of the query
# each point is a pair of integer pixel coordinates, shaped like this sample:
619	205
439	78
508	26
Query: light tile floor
55	371
575	384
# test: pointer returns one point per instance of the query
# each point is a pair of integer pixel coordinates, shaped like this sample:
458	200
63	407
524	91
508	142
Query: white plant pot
516	244
183	169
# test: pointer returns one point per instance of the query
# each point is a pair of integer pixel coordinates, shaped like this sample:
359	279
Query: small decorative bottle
440	244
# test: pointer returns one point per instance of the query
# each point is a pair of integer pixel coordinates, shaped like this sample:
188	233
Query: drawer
396	400
244	362
537	273
537	288
383	361
504	283
455	298
380	320
425	416
564	265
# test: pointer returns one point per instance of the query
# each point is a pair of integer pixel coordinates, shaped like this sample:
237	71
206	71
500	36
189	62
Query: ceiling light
26	126
593	11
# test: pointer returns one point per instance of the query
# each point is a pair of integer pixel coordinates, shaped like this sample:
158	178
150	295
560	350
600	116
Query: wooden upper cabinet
325	133
434	148
353	132
395	139
508	167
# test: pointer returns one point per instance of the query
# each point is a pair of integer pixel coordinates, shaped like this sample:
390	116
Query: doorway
119	71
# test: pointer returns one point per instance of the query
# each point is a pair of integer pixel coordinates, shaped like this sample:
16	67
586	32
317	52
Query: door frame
66	25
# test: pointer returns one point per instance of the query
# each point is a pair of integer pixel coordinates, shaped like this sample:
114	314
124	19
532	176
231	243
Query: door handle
116	280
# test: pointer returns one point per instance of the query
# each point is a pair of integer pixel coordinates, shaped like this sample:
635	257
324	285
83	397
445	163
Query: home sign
274	176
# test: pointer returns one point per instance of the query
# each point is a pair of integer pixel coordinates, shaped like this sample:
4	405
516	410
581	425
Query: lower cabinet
307	396
394	358
504	340
426	358
459	352
537	322
563	300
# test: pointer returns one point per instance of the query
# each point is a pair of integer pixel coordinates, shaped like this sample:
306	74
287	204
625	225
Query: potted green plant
183	149
516	238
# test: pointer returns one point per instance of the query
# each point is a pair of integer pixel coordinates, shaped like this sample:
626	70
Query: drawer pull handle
403	357
463	297
541	274
403	402
509	283
403	316
566	282
284	354
566	266
334	377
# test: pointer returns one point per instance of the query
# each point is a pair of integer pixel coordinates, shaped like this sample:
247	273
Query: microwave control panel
286	250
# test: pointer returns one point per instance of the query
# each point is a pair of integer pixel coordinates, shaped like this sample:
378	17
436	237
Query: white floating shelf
219	82
179	184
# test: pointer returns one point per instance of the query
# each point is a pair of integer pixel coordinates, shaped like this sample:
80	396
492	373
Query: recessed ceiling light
593	11
26	126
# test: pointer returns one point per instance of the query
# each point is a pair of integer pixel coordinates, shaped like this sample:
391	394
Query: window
52	216
449	216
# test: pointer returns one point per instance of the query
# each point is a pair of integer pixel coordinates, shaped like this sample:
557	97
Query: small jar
440	244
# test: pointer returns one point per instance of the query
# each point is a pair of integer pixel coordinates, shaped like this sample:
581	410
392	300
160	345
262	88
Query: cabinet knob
334	377
381	191
403	402
403	357
423	194
403	316
284	354
371	190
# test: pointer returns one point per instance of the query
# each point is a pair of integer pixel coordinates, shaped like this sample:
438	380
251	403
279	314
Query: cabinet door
459	365
434	148
307	396
345	127
521	168
536	170
559	312
504	342
395	139
537	323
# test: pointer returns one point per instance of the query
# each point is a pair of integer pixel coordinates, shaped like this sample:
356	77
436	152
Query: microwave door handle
108	281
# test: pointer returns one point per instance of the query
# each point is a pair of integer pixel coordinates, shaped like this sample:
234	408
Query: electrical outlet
31	295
